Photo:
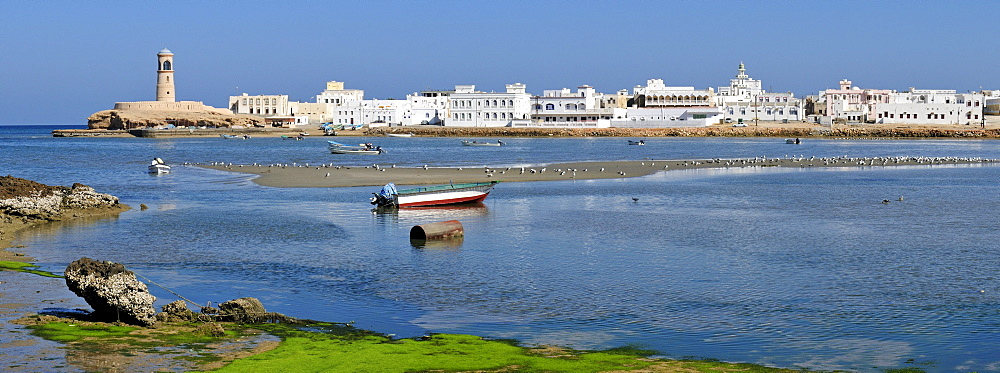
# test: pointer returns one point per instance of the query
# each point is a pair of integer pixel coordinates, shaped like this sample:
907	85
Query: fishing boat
367	148
399	135
793	141
482	143
234	137
640	142
437	195
158	167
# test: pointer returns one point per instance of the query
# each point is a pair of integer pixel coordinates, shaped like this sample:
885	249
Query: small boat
793	141
158	167
399	135
433	195
368	148
303	134
232	137
482	143
640	142
286	137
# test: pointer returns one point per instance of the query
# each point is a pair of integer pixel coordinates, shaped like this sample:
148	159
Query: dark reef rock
112	291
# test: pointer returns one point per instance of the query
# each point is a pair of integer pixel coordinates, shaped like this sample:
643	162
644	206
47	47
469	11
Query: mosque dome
165	51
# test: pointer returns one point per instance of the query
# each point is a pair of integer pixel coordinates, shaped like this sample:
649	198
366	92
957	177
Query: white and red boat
433	195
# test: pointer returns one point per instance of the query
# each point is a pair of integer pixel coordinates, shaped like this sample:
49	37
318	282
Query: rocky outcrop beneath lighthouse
136	119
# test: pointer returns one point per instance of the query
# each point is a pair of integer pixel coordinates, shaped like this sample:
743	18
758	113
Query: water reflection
436	213
446	244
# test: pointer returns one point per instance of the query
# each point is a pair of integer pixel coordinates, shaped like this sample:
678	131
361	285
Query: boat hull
442	199
353	151
476	143
159	169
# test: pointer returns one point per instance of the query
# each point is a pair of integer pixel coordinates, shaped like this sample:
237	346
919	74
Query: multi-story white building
657	105
263	105
336	95
744	101
930	106
428	107
471	108
992	99
852	104
566	109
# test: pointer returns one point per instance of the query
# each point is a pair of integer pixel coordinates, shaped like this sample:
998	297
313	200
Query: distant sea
777	266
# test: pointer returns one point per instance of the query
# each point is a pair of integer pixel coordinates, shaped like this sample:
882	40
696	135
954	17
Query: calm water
785	267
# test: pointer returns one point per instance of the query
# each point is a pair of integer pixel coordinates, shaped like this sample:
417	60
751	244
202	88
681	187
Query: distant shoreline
991	130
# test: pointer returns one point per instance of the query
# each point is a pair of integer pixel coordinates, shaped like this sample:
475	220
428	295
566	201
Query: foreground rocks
112	291
24	202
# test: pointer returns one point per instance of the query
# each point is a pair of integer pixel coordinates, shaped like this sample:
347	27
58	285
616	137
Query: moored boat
640	142
793	141
437	195
399	135
367	148
158	167
482	143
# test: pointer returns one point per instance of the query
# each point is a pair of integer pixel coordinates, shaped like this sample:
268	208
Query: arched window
568	107
510	103
494	115
550	107
503	115
494	103
583	107
538	106
166	65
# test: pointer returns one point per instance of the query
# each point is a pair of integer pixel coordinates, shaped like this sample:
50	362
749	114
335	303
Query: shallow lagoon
785	267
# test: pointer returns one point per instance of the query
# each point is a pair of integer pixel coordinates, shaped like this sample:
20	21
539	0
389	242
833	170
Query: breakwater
850	132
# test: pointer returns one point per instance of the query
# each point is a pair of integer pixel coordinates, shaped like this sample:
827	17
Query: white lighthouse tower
165	76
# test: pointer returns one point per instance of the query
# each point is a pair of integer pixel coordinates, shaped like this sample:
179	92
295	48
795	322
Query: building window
550	107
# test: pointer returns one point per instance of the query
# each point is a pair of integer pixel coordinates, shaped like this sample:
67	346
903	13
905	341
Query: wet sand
332	175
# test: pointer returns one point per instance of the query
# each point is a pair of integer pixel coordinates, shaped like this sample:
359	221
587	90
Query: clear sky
64	60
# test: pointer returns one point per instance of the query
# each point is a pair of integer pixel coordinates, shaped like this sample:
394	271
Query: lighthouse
165	76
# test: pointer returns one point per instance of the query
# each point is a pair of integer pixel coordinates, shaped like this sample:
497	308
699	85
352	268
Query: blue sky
81	57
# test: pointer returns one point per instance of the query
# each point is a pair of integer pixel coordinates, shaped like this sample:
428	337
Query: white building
745	101
657	105
930	106
471	108
566	109
263	105
428	107
336	95
992	99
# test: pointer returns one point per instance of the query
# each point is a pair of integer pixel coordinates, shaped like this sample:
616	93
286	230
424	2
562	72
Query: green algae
25	267
333	347
359	351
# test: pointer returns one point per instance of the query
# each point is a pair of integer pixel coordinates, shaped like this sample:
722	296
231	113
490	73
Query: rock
210	329
112	291
243	309
134	119
176	311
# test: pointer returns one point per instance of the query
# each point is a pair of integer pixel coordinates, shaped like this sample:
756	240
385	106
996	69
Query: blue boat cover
388	191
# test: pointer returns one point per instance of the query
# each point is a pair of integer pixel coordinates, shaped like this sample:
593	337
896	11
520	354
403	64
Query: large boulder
112	291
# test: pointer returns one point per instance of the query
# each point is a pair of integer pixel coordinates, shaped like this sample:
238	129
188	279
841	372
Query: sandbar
331	175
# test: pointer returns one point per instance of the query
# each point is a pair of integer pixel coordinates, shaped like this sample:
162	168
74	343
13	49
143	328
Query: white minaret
165	76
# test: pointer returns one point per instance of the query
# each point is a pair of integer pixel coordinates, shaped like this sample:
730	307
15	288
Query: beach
332	175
